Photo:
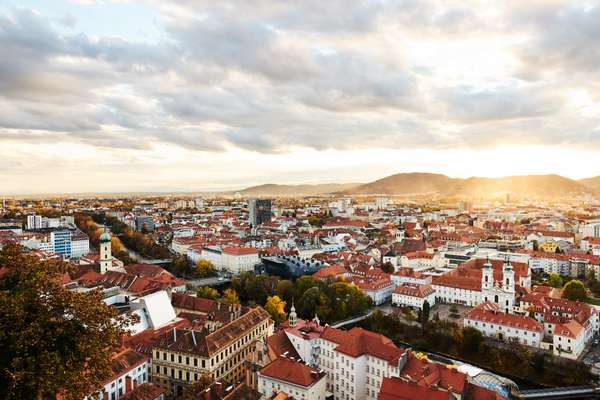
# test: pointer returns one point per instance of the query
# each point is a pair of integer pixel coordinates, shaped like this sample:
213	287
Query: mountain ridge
424	183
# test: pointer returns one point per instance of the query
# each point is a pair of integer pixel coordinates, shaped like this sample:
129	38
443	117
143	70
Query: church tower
508	276
487	276
293	318
508	286
105	252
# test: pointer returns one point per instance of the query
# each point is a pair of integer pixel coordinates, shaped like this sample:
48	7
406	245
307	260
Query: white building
232	259
292	377
492	321
34	222
411	295
591	229
476	281
80	244
130	369
355	362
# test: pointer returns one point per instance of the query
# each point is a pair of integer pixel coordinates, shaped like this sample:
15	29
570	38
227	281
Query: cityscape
272	200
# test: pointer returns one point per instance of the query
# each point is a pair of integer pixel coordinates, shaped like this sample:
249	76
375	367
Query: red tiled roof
399	389
240	251
490	312
409	289
292	371
570	329
428	373
361	341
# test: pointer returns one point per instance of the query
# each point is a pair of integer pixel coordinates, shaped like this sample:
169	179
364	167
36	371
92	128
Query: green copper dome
105	237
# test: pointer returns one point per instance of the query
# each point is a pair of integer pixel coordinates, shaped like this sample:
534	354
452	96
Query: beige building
182	356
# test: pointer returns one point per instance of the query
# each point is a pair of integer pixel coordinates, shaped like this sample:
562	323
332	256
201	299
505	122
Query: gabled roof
399	389
292	371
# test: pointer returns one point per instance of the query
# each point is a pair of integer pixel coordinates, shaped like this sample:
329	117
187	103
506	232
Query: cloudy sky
186	95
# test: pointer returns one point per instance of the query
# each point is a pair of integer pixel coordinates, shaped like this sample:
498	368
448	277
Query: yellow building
548	246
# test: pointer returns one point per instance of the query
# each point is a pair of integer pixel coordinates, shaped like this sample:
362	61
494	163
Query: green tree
472	340
574	290
424	315
555	280
276	307
388	268
285	290
53	340
208	293
204	269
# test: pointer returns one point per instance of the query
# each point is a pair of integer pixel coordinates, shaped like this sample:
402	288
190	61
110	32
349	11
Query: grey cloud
470	104
564	39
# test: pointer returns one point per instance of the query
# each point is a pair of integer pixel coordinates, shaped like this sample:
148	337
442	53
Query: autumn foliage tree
204	268
53	340
276	307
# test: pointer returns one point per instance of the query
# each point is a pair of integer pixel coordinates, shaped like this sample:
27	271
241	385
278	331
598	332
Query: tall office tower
61	242
260	211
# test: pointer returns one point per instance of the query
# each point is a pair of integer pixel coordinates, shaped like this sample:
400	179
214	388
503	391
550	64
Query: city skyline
196	96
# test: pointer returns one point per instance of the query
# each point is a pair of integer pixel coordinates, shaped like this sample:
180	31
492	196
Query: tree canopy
204	268
276	307
331	301
53	340
574	290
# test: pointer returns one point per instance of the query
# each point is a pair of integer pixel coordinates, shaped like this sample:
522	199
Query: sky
198	95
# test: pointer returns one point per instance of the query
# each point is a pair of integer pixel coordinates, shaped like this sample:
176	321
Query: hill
592	183
425	183
273	190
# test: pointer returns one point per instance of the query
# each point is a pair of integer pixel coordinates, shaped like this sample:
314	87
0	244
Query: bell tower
293	318
105	251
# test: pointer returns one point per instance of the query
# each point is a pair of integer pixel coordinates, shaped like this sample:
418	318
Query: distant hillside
405	184
273	190
425	183
592	183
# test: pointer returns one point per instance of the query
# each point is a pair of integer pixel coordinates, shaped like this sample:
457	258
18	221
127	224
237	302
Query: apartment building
182	356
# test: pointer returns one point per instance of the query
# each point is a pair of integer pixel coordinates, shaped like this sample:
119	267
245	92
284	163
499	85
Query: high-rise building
61	242
34	222
260	211
144	223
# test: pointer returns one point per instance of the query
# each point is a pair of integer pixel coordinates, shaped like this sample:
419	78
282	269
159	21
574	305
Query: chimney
128	384
174	334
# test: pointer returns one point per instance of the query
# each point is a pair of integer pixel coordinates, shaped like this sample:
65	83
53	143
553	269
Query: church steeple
293	318
105	251
487	275
508	275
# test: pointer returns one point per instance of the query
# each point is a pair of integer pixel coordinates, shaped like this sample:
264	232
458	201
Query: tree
276	307
204	269
555	280
230	296
53	340
472	340
285	290
208	293
574	290
388	268
424	315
